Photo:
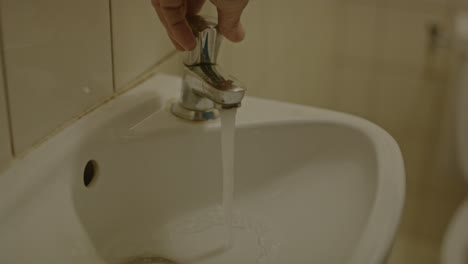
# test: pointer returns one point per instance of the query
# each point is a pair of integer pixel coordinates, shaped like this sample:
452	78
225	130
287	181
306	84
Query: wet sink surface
298	186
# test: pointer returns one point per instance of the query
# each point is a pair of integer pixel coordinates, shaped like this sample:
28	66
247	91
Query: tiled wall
65	57
139	40
5	144
58	63
363	57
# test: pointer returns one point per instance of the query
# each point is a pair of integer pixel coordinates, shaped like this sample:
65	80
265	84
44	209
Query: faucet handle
208	40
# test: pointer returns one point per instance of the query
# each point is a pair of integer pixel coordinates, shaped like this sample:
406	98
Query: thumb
229	16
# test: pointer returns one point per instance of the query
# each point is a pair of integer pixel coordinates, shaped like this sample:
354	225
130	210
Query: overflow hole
90	172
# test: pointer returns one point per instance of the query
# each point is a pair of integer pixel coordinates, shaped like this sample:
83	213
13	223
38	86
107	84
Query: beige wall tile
414	250
289	58
139	39
431	215
447	178
418	5
360	27
5	144
354	89
404	103
58	59
405	37
417	162
461	4
173	65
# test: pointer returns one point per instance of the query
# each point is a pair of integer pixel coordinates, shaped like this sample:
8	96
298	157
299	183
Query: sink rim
387	209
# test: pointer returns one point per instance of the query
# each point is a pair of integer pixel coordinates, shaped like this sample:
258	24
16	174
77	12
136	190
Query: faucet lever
208	42
205	87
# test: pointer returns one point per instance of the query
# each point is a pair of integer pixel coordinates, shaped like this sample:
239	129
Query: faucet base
193	115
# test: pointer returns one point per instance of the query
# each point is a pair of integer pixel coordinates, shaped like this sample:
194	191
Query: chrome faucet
205	88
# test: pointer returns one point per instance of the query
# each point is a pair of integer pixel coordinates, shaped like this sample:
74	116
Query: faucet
205	87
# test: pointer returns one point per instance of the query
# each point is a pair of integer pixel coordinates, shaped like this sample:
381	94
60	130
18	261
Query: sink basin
311	186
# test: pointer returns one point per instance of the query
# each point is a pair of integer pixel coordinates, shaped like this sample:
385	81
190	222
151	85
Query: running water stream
228	123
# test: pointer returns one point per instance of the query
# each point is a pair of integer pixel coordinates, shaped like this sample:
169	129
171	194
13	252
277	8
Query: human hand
173	15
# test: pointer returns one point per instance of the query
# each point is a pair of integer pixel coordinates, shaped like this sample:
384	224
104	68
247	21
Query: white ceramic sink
312	186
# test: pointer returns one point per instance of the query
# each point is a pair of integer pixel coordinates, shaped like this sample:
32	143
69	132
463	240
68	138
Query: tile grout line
144	76
111	28
339	42
5	84
375	63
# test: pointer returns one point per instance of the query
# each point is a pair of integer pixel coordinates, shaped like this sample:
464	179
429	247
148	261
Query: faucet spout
205	87
209	81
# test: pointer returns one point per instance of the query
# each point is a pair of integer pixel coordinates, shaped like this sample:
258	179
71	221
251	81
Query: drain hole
90	172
